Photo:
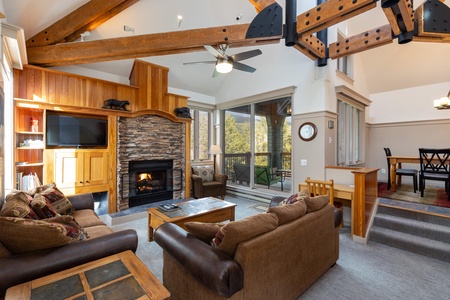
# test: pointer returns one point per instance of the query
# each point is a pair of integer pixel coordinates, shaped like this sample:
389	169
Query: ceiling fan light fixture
223	66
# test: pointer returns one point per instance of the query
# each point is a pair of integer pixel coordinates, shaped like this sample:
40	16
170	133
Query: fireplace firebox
150	181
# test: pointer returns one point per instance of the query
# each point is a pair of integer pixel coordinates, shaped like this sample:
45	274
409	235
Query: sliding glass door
257	140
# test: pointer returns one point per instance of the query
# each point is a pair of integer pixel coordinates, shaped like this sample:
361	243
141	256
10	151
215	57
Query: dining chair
321	187
400	172
434	165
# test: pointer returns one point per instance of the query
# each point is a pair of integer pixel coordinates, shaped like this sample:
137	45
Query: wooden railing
263	158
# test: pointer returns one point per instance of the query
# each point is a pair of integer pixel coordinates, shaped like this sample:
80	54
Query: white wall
414	104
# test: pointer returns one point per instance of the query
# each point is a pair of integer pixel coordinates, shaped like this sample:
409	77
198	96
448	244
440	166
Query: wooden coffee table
120	276
201	210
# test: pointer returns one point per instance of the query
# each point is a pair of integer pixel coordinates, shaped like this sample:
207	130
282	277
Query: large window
200	134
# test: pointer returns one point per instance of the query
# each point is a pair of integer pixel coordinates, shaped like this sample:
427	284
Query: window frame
195	133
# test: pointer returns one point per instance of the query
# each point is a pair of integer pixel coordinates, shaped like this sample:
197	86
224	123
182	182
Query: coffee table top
191	208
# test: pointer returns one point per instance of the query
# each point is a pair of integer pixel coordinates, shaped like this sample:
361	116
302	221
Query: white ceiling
386	68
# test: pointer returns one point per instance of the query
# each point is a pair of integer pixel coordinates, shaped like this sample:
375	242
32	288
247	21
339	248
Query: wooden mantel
147	93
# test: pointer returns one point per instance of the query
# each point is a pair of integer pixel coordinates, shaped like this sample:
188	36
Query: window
345	63
350	126
200	134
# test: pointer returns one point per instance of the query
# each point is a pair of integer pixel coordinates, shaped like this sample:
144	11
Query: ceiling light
443	103
180	19
85	34
223	66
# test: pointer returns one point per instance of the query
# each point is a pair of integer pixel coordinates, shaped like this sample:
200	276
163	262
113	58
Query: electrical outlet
383	171
303	162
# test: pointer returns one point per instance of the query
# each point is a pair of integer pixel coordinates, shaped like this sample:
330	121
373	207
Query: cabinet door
95	168
69	169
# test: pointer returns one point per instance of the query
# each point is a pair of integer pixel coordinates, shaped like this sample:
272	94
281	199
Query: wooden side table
121	276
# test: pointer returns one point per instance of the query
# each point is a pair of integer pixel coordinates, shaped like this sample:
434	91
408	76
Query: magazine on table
168	207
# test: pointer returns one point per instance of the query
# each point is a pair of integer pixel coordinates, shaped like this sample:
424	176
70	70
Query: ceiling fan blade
246	55
200	62
215	73
213	51
243	67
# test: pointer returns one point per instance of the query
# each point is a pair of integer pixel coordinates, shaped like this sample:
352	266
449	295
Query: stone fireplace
150	160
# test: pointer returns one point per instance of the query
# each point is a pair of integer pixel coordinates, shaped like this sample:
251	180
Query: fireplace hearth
150	181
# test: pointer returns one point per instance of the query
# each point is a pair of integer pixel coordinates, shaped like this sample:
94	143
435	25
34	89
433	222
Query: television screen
63	130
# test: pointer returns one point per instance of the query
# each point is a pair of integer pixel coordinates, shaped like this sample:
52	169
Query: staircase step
408	242
411	226
415	215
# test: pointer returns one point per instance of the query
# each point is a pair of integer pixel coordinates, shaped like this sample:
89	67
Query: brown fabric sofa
279	264
19	268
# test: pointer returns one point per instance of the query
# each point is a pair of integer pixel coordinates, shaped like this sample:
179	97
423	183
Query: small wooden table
120	276
201	210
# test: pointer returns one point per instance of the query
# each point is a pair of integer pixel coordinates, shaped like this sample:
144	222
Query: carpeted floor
372	271
432	195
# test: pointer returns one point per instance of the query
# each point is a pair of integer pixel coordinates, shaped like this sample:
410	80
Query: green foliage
237	135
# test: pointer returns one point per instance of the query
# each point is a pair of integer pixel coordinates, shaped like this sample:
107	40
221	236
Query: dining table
396	161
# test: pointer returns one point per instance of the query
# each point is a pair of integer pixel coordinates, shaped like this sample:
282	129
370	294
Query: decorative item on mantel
443	103
183	112
116	104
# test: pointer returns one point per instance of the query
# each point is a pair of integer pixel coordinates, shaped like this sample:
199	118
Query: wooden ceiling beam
142	45
86	18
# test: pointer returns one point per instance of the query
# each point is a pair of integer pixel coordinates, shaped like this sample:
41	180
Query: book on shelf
168	207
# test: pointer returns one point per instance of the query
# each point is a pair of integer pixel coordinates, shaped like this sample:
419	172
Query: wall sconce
443	103
84	35
128	29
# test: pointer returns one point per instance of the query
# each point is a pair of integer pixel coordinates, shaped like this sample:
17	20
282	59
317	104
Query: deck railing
262	158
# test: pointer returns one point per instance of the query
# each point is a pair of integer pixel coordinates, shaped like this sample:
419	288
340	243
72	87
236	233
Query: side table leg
150	228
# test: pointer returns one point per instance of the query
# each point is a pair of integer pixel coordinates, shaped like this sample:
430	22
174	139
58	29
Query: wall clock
307	131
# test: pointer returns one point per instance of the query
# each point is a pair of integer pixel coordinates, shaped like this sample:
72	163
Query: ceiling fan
224	63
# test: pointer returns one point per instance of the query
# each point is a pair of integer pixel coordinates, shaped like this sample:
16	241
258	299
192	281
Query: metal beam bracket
436	17
269	22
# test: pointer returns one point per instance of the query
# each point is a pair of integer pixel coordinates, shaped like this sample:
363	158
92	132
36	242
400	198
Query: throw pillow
287	213
205	172
230	235
17	204
203	231
74	229
316	203
57	200
42	207
294	198
21	235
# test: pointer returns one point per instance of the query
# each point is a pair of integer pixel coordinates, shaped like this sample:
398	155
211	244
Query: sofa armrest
32	265
209	266
197	179
82	201
221	178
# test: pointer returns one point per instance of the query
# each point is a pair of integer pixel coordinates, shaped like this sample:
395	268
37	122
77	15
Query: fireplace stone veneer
148	137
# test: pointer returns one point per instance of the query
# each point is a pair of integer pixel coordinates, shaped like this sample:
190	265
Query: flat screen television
81	131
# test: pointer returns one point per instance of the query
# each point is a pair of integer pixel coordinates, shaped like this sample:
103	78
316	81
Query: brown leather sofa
279	264
19	268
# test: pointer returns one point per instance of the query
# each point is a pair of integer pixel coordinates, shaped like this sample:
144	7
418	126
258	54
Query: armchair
206	183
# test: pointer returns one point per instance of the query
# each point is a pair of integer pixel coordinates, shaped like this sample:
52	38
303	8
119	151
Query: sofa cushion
75	229
42	207
231	234
316	203
205	172
18	205
287	213
57	200
98	231
21	235
203	231
87	218
294	198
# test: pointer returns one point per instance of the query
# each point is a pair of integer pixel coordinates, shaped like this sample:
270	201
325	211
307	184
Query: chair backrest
320	187
242	172
388	153
434	160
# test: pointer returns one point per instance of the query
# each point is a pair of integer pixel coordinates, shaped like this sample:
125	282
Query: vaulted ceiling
53	30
